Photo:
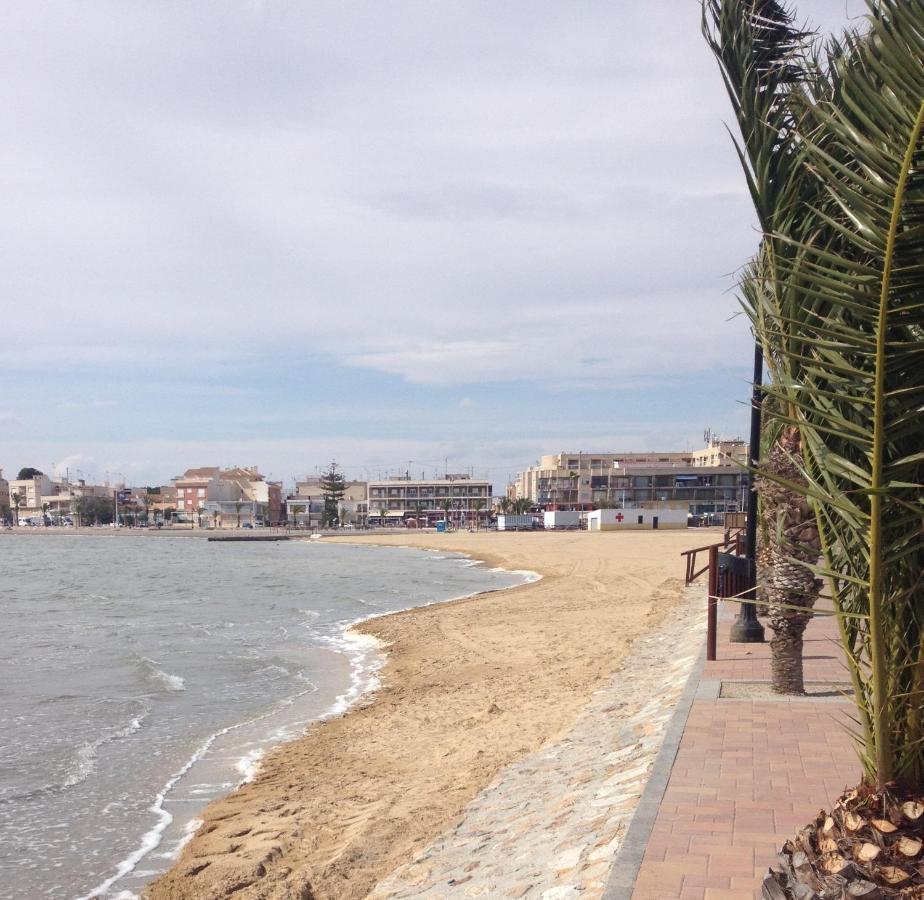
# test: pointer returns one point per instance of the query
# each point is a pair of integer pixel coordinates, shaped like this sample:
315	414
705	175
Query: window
201	492
572	464
641	520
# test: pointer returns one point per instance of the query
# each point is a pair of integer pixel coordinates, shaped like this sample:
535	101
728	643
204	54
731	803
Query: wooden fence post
712	611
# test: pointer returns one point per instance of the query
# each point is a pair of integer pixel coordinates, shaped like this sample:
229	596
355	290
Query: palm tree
521	505
418	512
45	508
446	507
478	506
837	305
764	60
505	504
237	508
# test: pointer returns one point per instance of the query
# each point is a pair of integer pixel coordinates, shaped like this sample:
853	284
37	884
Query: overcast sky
276	233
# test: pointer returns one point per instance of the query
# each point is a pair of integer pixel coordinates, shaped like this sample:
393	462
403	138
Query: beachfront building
424	502
5	506
227	497
162	503
710	481
63	502
30	492
645	516
305	508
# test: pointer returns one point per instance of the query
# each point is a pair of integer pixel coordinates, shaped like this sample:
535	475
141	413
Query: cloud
10	420
74	466
520	195
467	403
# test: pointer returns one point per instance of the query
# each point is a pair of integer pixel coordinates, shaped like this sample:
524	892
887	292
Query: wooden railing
729	576
732	542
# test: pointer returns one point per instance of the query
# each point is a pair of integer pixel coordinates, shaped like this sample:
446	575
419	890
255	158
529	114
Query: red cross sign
619	517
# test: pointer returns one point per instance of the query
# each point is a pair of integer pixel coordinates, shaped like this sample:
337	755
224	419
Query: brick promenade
747	774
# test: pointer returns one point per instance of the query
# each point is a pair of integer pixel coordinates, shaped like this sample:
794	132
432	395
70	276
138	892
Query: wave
159	679
85	762
249	764
152	838
528	576
271	671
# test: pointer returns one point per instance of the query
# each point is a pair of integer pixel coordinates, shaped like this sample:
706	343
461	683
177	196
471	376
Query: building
64	501
5	506
193	488
306	506
227	497
459	499
162	503
711	481
670	514
29	492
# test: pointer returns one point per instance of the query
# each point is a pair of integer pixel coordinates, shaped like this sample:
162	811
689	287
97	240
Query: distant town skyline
257	233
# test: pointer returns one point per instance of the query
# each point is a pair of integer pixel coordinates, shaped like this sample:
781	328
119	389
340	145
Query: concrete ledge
708	689
631	852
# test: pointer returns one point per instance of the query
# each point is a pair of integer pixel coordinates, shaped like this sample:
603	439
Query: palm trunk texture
786	586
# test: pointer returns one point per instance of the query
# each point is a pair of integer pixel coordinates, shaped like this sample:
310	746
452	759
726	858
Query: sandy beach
470	688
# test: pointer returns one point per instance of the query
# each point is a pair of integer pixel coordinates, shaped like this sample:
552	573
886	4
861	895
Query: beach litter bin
440	526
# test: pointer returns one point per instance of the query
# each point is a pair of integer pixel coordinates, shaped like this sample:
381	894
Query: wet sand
470	687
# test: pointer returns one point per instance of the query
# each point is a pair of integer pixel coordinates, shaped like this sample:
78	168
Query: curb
628	860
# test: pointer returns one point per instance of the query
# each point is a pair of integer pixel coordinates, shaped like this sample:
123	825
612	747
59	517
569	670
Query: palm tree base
870	846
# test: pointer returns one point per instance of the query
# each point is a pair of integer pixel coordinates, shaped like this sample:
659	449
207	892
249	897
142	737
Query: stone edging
631	852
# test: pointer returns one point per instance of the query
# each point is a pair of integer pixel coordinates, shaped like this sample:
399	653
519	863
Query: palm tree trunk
788	588
786	658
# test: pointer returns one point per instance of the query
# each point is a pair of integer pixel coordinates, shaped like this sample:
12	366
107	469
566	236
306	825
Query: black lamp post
746	629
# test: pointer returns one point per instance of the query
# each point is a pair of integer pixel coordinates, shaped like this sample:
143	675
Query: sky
408	235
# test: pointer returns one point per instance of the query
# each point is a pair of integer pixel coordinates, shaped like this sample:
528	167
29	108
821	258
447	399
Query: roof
205	472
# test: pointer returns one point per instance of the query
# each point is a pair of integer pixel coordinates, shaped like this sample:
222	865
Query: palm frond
854	342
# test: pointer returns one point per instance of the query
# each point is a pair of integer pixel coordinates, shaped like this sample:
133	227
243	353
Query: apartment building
64	500
423	502
711	480
212	495
306	506
30	492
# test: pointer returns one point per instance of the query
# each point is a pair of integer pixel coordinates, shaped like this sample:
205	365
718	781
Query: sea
143	676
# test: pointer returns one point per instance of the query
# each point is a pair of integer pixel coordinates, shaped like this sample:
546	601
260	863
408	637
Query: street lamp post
746	629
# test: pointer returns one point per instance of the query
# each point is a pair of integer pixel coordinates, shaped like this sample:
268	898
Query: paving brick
748	774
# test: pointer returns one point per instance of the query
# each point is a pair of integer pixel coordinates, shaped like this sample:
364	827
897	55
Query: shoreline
364	654
286	832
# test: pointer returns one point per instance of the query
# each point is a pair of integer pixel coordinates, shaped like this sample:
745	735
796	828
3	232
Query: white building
459	499
711	480
638	518
30	492
306	506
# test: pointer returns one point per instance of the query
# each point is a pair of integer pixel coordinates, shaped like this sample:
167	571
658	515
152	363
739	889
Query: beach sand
470	687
